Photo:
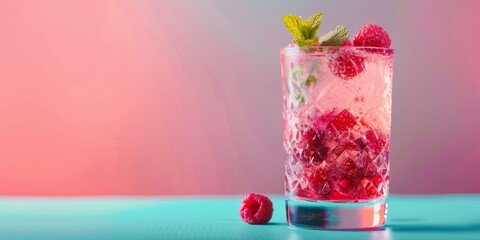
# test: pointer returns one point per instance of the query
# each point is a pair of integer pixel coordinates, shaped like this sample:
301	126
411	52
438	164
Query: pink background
183	97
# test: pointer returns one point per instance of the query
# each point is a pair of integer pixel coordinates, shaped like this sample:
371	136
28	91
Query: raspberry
256	209
345	184
342	147
318	181
369	186
377	180
335	195
344	121
312	145
372	35
360	193
376	142
320	121
346	43
303	193
346	64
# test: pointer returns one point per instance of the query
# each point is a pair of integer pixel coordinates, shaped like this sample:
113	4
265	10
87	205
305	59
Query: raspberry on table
256	209
372	35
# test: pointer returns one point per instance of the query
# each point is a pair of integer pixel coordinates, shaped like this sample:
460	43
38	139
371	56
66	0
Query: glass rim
335	47
325	50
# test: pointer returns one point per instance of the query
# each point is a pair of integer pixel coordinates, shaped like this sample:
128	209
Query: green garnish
304	32
300	97
335	37
310	79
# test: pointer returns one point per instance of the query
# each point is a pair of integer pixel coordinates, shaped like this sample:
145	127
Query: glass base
337	215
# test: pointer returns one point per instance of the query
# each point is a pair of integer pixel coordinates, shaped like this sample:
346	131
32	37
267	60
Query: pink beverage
337	115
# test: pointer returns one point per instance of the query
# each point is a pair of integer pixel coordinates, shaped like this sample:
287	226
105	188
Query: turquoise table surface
409	217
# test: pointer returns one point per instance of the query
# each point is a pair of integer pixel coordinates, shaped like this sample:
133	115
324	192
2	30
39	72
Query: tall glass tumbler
337	118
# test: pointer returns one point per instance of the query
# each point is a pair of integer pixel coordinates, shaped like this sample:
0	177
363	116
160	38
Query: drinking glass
337	119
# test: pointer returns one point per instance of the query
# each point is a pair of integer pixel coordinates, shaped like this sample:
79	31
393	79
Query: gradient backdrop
184	97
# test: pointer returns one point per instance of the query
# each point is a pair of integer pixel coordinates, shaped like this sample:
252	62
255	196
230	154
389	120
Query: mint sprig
335	37
304	32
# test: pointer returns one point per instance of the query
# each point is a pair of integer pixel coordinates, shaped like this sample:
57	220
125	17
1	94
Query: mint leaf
300	97
315	20
335	37
310	79
303	31
306	43
294	25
